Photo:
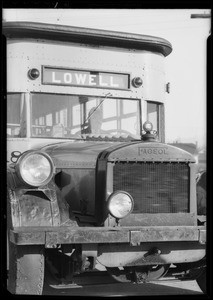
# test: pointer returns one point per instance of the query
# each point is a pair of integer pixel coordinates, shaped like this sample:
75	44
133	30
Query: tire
25	264
26	269
201	280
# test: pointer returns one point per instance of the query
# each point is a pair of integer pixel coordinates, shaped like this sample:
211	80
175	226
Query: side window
155	114
16	117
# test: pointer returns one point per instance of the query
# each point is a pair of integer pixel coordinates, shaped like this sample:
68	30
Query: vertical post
193	196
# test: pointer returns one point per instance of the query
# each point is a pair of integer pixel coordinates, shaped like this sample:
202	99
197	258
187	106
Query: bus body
91	181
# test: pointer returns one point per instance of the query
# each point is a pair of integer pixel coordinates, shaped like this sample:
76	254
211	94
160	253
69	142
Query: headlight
120	204
35	168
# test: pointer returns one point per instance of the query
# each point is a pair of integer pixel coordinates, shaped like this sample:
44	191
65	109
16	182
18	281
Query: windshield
66	116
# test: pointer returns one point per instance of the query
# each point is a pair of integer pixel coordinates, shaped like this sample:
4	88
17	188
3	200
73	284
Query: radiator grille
155	187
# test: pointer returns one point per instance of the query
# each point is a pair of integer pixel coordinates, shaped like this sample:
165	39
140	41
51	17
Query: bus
91	183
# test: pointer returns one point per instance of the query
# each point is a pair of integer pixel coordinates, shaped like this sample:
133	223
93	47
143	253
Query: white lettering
101	82
80	78
113	84
91	79
67	77
54	79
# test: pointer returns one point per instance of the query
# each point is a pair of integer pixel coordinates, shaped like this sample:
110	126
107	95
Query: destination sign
69	77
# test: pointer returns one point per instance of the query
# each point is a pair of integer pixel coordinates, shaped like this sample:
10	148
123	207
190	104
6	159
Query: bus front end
92	185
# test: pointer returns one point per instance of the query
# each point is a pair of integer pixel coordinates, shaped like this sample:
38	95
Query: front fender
201	194
29	207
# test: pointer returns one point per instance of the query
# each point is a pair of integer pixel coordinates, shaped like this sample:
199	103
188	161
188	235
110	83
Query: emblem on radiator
153	151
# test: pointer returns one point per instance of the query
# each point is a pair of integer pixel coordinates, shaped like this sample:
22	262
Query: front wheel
26	269
201	280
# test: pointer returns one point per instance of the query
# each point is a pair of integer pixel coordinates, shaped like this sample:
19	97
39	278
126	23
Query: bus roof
86	36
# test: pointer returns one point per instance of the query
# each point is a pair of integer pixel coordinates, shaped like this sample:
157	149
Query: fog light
120	204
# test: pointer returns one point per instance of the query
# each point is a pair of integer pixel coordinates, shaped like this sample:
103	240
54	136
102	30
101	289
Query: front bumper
134	236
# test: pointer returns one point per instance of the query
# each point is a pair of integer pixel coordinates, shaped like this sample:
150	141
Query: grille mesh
155	187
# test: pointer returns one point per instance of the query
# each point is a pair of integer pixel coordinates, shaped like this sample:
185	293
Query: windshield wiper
90	115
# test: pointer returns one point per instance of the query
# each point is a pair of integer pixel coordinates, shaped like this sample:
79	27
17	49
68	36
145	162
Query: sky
185	105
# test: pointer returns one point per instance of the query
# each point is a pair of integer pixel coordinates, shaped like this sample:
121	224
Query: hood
189	147
84	154
79	154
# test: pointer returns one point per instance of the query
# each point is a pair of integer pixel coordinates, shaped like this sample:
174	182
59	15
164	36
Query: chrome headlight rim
21	160
111	198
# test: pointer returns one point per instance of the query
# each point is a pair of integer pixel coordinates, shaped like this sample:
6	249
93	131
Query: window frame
81	112
160	119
